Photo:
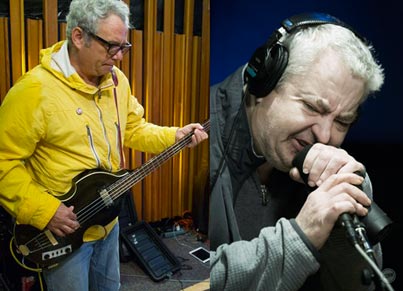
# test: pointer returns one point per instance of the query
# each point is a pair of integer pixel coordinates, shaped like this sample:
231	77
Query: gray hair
306	45
87	13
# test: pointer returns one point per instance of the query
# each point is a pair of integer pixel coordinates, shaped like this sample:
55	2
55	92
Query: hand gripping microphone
376	223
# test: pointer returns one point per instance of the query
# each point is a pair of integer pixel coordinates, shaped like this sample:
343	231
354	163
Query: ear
255	100
78	37
251	100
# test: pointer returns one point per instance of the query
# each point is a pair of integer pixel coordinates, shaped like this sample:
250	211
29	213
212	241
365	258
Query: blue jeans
94	266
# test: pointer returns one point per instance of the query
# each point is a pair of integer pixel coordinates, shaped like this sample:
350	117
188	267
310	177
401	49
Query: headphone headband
269	61
309	19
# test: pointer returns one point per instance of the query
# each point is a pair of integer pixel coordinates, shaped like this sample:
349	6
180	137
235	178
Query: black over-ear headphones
269	61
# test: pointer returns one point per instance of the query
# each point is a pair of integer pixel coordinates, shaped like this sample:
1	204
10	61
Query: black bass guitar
97	198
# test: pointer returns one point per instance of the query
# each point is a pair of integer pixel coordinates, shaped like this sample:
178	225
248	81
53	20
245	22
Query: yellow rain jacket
53	126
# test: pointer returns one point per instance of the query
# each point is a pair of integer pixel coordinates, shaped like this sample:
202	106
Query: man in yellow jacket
73	112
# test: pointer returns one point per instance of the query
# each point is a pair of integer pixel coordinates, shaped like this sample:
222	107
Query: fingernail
311	184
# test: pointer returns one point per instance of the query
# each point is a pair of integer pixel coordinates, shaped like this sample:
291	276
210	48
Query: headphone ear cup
268	63
265	69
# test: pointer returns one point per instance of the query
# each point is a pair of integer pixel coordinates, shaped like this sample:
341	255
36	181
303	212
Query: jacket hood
55	59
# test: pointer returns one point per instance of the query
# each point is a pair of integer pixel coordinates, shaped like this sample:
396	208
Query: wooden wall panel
136	158
5	67
150	23
204	80
50	22
187	183
158	199
34	41
179	82
17	42
62	31
166	100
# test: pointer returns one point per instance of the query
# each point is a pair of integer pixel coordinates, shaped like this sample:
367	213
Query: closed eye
342	123
310	107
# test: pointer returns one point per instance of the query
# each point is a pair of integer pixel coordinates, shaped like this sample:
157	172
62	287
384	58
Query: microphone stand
368	275
362	244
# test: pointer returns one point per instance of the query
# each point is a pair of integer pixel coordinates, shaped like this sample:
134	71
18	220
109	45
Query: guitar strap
115	82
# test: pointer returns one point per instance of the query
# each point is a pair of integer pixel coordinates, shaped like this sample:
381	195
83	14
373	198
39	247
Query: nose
322	130
118	56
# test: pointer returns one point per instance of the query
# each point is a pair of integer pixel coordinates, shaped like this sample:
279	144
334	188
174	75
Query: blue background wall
238	27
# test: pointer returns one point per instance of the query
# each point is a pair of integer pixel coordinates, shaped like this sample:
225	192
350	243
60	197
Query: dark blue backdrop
238	27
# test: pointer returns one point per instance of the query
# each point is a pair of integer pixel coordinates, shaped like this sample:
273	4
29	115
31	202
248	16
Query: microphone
376	223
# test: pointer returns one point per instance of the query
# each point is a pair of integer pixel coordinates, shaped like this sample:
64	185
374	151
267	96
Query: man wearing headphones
303	87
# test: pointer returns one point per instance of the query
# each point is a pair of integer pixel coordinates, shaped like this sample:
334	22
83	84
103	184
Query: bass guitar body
94	204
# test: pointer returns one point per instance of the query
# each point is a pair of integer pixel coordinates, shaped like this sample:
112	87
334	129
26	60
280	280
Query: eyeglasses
111	48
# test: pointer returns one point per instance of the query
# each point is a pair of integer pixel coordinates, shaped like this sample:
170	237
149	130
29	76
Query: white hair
87	13
308	43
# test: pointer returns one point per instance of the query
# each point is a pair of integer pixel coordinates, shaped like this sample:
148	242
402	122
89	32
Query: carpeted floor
192	271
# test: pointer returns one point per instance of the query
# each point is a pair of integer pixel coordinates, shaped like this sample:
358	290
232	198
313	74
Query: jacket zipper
119	145
104	132
91	140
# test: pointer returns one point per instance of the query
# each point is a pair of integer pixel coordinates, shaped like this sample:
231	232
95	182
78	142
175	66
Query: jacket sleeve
281	258
20	128
144	136
276	260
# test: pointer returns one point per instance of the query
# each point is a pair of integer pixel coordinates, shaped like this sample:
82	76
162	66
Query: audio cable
21	264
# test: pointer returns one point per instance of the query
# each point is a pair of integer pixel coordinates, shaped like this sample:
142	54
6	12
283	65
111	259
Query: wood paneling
50	22
34	41
17	42
5	67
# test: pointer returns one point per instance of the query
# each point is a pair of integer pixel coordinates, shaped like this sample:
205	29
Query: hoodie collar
56	59
60	61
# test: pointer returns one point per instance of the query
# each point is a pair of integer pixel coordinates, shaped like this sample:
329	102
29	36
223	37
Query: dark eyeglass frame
110	46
